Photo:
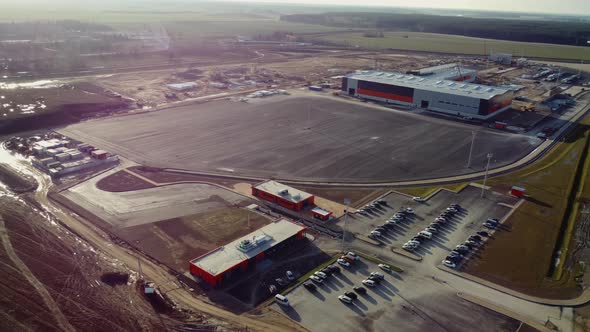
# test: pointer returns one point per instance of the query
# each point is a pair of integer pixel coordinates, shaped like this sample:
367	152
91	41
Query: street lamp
485	177
473	132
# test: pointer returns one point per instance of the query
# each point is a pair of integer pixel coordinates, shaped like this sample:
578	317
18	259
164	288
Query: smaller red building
517	191
321	214
283	195
237	257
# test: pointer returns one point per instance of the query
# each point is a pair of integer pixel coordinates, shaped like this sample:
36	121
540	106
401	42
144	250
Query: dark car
475	238
483	233
382	202
333	268
435	225
381	229
309	286
455	206
376	279
360	290
453	258
351	295
327	271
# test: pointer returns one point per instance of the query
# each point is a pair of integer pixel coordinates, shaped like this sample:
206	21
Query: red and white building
285	196
237	257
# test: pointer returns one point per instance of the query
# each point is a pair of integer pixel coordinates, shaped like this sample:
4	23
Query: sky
578	7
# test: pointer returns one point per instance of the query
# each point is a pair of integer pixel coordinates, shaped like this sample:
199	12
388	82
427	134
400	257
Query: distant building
501	58
442	96
451	72
237	257
283	195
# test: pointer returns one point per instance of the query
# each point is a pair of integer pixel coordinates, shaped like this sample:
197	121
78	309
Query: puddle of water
42	84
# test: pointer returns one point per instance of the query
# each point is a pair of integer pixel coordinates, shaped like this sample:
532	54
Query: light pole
473	132
346	203
485	177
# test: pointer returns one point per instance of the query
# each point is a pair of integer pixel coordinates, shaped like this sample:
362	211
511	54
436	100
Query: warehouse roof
246	247
283	191
428	84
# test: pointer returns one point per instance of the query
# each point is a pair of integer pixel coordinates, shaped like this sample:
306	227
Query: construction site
214	187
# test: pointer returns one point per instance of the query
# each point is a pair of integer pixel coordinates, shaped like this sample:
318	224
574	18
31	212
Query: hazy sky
579	7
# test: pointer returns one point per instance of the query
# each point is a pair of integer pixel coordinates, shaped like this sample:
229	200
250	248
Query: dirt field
50	280
176	241
122	181
269	138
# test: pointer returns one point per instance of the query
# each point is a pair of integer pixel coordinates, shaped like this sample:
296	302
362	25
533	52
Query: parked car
450	264
414	242
290	276
327	271
343	262
353	255
381	229
282	300
488	225
320	274
409	210
455	206
440	220
382	202
399	215
378	275
377	280
483	233
345	299
369	283
453	259
493	220
333	268
409	247
471	243
281	281
435	225
351	295
418	199
309	286
425	234
317	279
454	255
451	209
385	267
375	233
462	248
347	258
360	290
475	238
431	229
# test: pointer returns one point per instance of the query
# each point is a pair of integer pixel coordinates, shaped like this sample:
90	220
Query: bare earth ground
65	273
346	142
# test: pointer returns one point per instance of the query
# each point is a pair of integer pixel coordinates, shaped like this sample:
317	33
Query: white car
418	199
353	255
425	234
462	247
440	219
377	275
408	247
290	275
451	209
282	300
343	262
413	243
320	274
375	233
385	267
345	299
369	283
398	215
450	264
315	278
409	210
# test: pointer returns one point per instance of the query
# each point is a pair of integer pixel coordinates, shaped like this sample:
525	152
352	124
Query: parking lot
398	303
467	221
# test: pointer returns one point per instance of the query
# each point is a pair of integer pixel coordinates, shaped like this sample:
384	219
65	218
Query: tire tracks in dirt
39	287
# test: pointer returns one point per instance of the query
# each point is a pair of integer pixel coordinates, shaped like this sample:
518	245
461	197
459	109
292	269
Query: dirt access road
267	321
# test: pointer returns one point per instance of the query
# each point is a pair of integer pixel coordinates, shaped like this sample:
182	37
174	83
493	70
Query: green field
432	42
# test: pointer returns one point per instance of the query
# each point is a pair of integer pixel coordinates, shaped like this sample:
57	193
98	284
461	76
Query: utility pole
485	177
346	203
139	267
473	132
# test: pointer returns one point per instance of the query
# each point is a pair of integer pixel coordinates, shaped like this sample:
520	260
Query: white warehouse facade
449	97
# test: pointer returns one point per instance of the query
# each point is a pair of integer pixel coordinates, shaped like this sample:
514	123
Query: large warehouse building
237	257
283	195
444	96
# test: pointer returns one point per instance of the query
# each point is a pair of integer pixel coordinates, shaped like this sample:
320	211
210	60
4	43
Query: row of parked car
371	207
390	223
373	280
433	228
473	241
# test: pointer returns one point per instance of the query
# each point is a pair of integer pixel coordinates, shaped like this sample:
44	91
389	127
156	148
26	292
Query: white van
282	300
426	234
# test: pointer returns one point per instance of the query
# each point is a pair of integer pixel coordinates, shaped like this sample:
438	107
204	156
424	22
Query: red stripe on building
385	95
